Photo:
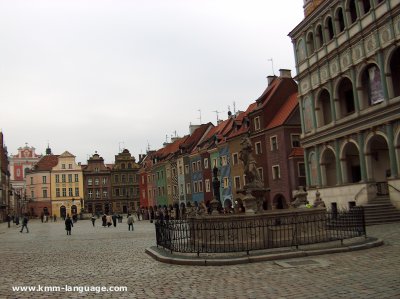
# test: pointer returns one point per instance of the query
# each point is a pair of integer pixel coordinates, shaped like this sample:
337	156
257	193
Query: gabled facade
348	64
66	186
38	185
97	185
4	181
124	184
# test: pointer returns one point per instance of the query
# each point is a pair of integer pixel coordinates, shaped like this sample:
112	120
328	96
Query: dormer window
257	123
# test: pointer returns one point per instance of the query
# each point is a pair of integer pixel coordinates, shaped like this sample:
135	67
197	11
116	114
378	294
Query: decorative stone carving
318	203
300	199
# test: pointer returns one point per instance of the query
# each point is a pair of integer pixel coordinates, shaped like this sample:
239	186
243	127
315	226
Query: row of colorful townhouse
182	171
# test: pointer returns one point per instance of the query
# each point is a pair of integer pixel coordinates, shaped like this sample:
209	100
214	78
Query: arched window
319	37
329	28
366	6
324	108
353	11
346	97
340	20
310	43
372	87
395	71
328	168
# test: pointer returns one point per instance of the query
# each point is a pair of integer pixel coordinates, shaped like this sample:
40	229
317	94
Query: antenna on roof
148	146
272	62
234	107
217	112
200	115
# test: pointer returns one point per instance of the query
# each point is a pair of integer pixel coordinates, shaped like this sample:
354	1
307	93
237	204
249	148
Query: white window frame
257	123
205	163
274	146
257	149
261	173
208	185
291	140
235	159
226	182
274	176
224	160
188	188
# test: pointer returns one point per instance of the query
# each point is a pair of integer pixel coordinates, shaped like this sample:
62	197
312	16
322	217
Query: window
31	180
57	178
149	193
123	178
200	185
188	189
276	172
142	179
63	177
274	143
96	169
195	187
180	169
208	185
104	181
44	179
168	171
226	182
258	148
32	194
301	169
97	193
90	193
96	181
205	163
70	178
198	165
215	162
62	166
235	158
76	191
105	193
224	161
162	174
261	173
70	192
116	178
76	178
174	172
148	178
64	192
181	189
237	182
169	190
186	169
174	190
143	194
295	140
194	166
90	182
257	125
57	192
44	193
69	166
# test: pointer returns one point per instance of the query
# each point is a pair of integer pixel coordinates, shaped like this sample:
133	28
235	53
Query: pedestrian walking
42	217
68	225
104	219
24	224
114	220
93	219
54	218
130	222
138	212
8	219
109	220
17	220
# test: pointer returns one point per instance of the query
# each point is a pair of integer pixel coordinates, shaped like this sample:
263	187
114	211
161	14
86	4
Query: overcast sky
103	75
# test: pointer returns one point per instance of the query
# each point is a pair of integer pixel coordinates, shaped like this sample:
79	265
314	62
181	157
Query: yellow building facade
67	186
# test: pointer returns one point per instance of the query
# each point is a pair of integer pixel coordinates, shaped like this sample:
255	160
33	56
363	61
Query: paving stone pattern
100	256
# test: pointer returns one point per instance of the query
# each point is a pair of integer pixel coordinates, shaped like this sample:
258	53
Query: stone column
392	151
360	137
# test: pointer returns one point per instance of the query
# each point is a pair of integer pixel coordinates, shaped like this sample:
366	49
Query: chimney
285	73
270	79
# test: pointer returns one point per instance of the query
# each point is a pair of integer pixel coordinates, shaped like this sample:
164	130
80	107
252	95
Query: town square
115	257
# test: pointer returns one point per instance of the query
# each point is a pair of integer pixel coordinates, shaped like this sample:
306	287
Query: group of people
109	220
45	217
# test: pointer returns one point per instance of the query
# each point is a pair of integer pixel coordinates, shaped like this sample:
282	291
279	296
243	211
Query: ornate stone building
348	70
97	185
125	183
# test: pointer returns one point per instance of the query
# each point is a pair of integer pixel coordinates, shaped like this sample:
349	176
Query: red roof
284	112
239	122
297	152
46	163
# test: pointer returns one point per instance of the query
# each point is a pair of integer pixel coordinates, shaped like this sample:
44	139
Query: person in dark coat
104	219
114	220
68	225
25	224
17	220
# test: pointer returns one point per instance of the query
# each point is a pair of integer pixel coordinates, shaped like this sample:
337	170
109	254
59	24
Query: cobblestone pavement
99	256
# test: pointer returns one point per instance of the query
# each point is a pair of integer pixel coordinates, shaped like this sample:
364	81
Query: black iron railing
244	235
